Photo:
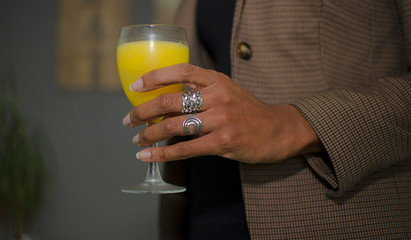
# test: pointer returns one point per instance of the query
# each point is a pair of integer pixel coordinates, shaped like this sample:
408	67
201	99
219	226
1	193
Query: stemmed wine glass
140	49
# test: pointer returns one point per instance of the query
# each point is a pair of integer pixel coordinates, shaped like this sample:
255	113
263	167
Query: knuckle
169	126
185	70
166	101
161	154
184	150
143	136
221	77
135	114
151	76
224	117
226	140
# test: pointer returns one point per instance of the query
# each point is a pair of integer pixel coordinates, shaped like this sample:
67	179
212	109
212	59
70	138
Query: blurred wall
91	153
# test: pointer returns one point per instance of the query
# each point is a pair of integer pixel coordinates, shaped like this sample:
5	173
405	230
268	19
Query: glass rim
149	25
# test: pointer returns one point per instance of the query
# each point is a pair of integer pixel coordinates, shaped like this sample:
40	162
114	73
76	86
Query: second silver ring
192	125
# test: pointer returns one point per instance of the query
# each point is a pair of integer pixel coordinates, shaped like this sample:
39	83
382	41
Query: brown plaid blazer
346	66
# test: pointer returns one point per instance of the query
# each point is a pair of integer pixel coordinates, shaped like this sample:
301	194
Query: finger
163	105
193	76
171	127
183	150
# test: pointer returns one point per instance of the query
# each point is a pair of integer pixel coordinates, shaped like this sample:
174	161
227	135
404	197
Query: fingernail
127	120
137	85
143	155
136	139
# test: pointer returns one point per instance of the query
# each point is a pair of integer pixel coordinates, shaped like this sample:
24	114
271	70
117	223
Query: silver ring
192	101
192	125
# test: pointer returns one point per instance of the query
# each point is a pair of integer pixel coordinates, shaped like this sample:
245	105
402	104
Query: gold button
244	51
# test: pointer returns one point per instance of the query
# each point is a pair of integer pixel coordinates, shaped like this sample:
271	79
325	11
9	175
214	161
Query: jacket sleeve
365	131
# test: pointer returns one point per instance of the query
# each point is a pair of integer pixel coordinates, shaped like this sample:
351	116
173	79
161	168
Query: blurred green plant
22	162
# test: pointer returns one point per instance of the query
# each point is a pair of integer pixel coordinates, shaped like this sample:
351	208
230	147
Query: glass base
154	187
153	182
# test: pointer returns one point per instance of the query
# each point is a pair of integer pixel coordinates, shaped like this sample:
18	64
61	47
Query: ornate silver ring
192	101
192	125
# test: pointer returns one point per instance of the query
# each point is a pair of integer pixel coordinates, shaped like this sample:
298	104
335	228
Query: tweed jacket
346	66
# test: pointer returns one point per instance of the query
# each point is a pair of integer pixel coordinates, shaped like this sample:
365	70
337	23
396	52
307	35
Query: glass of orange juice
140	49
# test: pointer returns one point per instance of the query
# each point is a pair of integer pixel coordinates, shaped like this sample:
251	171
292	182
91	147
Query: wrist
302	139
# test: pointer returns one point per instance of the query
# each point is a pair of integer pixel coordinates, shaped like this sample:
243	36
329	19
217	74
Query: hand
237	125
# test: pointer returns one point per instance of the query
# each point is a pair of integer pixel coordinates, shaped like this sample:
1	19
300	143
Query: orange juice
136	58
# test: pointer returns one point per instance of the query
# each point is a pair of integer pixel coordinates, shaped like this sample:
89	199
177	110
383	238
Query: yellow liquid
136	58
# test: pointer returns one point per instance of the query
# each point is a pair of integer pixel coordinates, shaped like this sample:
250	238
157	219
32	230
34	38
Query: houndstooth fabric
345	65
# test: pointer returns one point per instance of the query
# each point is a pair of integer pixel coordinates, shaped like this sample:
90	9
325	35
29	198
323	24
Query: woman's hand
236	124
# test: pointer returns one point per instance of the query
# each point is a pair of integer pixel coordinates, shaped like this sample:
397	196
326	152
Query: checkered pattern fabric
345	65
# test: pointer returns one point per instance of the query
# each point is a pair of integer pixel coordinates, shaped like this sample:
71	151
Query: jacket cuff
342	131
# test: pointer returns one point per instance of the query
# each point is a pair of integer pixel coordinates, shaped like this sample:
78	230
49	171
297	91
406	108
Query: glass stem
153	171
